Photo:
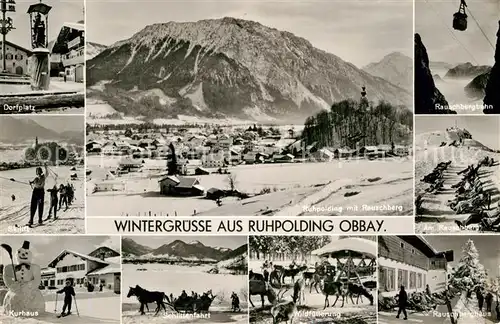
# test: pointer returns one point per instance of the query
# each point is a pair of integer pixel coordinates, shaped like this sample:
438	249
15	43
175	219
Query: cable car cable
481	29
451	32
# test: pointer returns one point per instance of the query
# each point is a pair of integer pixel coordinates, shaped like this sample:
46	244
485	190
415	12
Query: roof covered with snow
355	244
65	252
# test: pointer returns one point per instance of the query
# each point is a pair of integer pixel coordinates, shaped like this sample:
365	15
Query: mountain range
396	68
179	248
19	130
467	70
228	68
93	49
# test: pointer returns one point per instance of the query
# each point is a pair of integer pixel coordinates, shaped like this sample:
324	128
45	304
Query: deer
285	311
262	288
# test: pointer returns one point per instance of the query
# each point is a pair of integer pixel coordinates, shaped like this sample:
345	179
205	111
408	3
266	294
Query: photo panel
55	279
42	174
457	174
313	279
457	57
439	279
185	279
42	57
250	113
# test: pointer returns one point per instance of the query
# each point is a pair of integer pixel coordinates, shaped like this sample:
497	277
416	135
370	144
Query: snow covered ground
438	217
92	309
16	212
172	279
373	184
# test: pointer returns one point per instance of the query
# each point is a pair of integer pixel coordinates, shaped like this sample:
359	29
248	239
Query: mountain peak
196	242
230	67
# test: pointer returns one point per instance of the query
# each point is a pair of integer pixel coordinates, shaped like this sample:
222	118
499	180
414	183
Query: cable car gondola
460	17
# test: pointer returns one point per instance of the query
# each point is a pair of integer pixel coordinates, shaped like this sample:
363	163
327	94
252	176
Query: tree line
292	245
349	123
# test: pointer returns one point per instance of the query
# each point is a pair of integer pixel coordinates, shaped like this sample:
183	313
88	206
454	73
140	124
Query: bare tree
231	180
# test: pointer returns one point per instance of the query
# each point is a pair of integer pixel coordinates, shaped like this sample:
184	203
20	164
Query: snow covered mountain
467	70
227	67
131	247
93	49
436	139
396	68
180	250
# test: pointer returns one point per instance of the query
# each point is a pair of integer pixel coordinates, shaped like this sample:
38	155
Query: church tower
363	102
36	141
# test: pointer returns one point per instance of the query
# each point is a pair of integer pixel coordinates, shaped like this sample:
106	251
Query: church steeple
36	141
363	101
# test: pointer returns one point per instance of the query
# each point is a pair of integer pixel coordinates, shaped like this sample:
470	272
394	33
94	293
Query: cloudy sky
359	32
433	20
231	242
485	129
62	11
487	246
47	248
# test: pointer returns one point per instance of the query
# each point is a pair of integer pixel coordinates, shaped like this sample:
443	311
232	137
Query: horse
145	297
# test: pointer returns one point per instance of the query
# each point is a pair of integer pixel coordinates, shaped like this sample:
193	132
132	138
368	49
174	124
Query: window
413	280
419	281
9	56
403	278
412	251
387	279
402	245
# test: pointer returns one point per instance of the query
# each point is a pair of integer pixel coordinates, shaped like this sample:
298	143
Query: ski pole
14	180
76	306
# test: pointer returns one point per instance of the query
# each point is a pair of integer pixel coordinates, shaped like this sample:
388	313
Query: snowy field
16	212
322	185
172	279
91	307
438	217
311	310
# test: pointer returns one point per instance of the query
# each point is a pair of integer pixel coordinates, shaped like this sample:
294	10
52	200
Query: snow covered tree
469	273
263	245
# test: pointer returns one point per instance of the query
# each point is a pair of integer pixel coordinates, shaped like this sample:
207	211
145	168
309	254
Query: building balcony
415	260
75	60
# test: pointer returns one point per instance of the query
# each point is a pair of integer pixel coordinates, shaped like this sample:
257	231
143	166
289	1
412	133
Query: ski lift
460	17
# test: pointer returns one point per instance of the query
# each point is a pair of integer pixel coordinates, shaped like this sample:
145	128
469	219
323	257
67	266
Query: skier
53	201
402	300
38	195
69	293
63	198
